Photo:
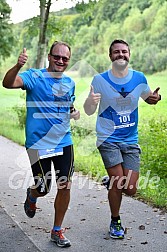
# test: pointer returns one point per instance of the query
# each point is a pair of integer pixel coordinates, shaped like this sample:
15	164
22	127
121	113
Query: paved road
87	218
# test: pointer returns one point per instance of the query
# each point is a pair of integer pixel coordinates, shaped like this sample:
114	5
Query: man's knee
64	185
130	191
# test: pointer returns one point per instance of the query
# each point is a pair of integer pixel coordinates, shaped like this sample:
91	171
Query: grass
8	97
9	127
88	161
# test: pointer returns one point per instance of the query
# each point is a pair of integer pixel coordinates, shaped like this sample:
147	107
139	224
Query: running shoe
60	239
116	230
106	182
29	207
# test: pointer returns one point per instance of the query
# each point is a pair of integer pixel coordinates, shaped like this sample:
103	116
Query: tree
44	16
6	35
45	6
107	10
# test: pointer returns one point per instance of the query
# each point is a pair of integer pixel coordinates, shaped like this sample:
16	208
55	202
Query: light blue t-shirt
117	119
48	102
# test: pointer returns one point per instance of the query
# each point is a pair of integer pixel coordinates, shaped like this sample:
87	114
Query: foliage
86	14
134	22
142	24
106	10
6	33
91	27
60	28
20	110
98	63
154	150
141	5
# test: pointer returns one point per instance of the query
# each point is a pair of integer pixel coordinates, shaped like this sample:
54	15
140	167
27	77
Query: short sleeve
29	78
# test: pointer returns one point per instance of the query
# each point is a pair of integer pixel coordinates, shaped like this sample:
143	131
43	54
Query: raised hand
22	58
94	98
154	97
91	102
155	93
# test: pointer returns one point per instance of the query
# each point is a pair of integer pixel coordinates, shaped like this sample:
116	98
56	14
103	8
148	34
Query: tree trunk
44	16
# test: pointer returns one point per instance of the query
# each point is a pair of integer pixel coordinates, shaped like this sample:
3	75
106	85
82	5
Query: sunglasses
58	57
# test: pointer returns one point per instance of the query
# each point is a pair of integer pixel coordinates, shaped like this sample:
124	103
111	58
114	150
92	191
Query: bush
21	113
20	110
153	143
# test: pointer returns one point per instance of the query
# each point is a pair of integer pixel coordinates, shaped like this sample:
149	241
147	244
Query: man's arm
154	97
91	102
11	79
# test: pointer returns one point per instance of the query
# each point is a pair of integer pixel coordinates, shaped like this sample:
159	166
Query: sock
56	228
115	218
33	200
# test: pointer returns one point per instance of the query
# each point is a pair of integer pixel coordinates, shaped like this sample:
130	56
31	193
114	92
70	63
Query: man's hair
59	43
117	41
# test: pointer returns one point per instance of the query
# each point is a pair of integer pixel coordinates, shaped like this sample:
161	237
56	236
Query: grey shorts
120	153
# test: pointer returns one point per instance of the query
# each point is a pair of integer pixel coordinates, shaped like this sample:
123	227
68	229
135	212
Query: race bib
50	152
123	120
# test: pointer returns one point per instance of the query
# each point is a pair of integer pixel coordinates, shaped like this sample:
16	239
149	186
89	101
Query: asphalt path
87	219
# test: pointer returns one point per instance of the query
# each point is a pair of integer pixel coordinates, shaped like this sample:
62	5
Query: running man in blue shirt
49	101
117	91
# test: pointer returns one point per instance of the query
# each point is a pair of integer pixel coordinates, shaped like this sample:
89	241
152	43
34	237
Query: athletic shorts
128	155
41	168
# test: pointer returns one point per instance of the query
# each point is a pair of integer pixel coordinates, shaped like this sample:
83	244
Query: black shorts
41	168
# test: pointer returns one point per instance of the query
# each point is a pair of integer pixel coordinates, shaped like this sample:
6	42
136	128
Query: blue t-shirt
117	118
48	102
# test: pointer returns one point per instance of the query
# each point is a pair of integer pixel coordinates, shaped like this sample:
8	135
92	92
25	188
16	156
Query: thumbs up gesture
22	58
94	98
92	101
156	91
154	97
